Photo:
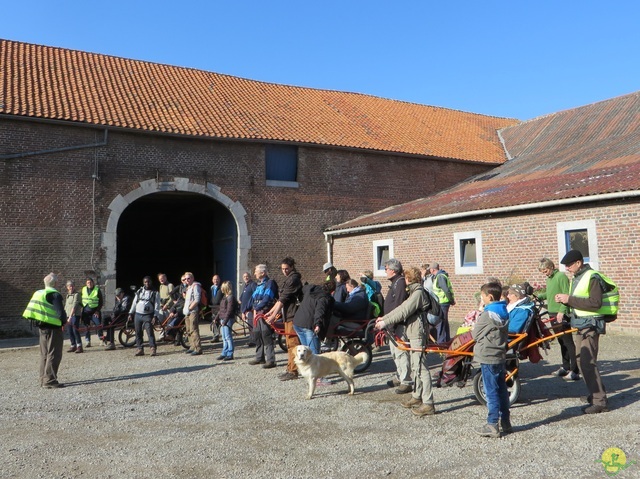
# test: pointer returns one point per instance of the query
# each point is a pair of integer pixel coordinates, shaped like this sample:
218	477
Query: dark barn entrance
174	232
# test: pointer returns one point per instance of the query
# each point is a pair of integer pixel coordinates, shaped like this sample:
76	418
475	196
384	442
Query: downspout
329	240
13	156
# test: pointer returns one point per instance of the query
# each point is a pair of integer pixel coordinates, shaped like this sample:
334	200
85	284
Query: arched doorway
174	227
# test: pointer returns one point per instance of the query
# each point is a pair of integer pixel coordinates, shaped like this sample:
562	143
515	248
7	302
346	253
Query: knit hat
519	288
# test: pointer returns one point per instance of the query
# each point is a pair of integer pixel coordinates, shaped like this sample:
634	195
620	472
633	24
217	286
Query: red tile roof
55	83
587	151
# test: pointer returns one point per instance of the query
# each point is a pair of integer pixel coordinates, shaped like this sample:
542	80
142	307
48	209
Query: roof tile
591	150
56	83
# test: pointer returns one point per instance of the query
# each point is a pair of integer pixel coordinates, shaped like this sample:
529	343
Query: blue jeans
308	338
142	322
90	320
74	333
227	341
495	390
443	331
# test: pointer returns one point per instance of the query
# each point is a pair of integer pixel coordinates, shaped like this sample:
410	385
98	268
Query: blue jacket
355	307
520	315
265	295
246	300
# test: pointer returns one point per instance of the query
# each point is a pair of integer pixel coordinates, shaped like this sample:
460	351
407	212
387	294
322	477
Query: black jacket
289	294
315	309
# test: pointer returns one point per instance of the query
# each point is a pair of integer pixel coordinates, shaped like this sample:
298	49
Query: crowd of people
311	312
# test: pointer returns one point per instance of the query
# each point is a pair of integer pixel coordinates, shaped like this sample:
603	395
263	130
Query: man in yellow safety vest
590	301
46	308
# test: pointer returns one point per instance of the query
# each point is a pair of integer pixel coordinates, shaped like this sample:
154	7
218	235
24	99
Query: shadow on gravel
161	372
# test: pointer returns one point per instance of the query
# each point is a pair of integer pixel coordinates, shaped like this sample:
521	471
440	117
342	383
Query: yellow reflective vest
39	309
90	298
439	292
610	299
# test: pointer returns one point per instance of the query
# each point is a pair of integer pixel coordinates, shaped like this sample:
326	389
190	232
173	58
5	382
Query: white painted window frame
590	226
465	235
375	247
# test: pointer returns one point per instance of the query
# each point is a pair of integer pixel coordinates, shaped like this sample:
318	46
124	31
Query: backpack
149	303
610	297
378	299
432	313
204	300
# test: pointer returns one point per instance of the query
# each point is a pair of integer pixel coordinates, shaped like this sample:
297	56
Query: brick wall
48	201
512	246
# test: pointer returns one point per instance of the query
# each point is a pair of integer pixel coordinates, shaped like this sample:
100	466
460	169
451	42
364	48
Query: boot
424	410
153	352
140	352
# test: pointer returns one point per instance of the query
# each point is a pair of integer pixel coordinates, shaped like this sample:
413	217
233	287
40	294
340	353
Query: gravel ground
175	416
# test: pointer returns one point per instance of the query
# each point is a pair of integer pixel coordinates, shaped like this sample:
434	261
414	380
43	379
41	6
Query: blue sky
512	59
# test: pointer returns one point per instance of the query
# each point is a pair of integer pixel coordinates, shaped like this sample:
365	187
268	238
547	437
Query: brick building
120	168
572	180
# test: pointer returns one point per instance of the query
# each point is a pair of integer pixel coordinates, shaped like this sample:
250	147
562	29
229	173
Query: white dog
313	366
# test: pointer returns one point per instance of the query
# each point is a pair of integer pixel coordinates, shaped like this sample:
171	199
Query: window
580	235
468	252
382	251
281	165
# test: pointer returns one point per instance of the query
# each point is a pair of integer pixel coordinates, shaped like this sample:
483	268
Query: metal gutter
503	209
25	154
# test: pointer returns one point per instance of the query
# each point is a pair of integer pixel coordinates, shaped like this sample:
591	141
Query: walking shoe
403	389
506	427
55	385
153	352
393	383
72	349
196	353
562	372
269	365
488	430
253	362
595	409
140	352
424	410
288	376
411	403
228	358
221	357
79	350
572	376
88	344
110	347
189	351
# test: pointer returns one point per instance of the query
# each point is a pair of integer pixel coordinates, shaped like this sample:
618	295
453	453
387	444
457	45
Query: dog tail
360	357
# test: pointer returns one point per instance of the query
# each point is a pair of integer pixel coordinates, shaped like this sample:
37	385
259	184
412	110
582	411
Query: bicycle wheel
127	336
355	347
282	342
182	338
513	387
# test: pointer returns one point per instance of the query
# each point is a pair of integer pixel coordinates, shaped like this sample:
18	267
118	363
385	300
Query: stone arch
120	203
